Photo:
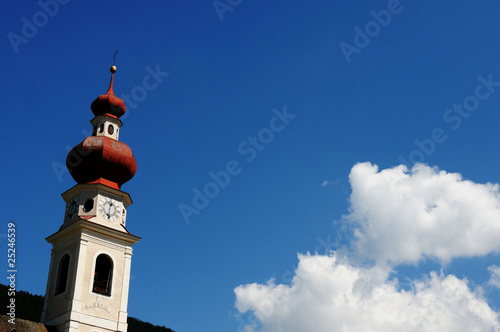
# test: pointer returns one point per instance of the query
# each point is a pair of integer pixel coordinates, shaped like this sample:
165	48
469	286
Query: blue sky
223	72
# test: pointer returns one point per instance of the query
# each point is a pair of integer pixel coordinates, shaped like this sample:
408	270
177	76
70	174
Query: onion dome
100	159
109	103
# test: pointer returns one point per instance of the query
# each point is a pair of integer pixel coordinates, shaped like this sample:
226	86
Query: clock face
72	208
109	209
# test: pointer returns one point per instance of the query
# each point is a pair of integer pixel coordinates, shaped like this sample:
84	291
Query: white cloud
398	216
403	216
495	276
326	183
328	295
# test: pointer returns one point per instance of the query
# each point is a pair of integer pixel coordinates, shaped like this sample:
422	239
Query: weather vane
114	56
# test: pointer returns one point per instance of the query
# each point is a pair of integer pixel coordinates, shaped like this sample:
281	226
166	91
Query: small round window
111	129
89	205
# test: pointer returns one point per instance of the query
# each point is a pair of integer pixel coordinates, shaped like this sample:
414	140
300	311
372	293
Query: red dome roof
108	103
100	159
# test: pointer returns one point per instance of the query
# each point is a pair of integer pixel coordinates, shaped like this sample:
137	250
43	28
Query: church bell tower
89	274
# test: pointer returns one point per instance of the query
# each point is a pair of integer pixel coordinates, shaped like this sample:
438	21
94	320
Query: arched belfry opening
62	275
103	275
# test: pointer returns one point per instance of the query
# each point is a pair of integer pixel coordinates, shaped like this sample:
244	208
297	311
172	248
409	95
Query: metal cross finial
114	56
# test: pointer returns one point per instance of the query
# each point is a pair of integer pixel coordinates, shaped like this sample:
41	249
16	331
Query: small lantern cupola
108	103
